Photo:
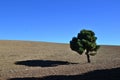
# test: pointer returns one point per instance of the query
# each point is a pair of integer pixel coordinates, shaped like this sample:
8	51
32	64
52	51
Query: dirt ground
25	60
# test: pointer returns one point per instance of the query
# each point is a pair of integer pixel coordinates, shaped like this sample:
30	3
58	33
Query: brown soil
25	60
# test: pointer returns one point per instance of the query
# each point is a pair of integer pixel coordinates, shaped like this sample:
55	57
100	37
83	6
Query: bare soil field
27	60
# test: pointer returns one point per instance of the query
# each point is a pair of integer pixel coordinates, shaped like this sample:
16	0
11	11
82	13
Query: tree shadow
107	74
42	63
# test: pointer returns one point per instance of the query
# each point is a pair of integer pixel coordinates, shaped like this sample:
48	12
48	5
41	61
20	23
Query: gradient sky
59	20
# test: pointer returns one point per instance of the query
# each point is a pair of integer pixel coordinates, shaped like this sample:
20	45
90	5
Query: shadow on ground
42	63
107	74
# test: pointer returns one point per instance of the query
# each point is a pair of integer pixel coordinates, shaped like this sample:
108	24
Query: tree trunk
88	57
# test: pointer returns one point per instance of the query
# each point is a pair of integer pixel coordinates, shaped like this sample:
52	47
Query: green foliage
92	53
76	45
85	40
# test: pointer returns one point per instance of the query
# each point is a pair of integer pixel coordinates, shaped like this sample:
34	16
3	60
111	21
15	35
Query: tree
85	42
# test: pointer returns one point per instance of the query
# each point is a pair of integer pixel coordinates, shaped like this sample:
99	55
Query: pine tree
84	42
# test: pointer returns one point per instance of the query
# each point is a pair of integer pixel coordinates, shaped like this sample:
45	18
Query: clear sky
59	20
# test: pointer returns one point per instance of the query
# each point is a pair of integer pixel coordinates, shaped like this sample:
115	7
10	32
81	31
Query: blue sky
59	20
